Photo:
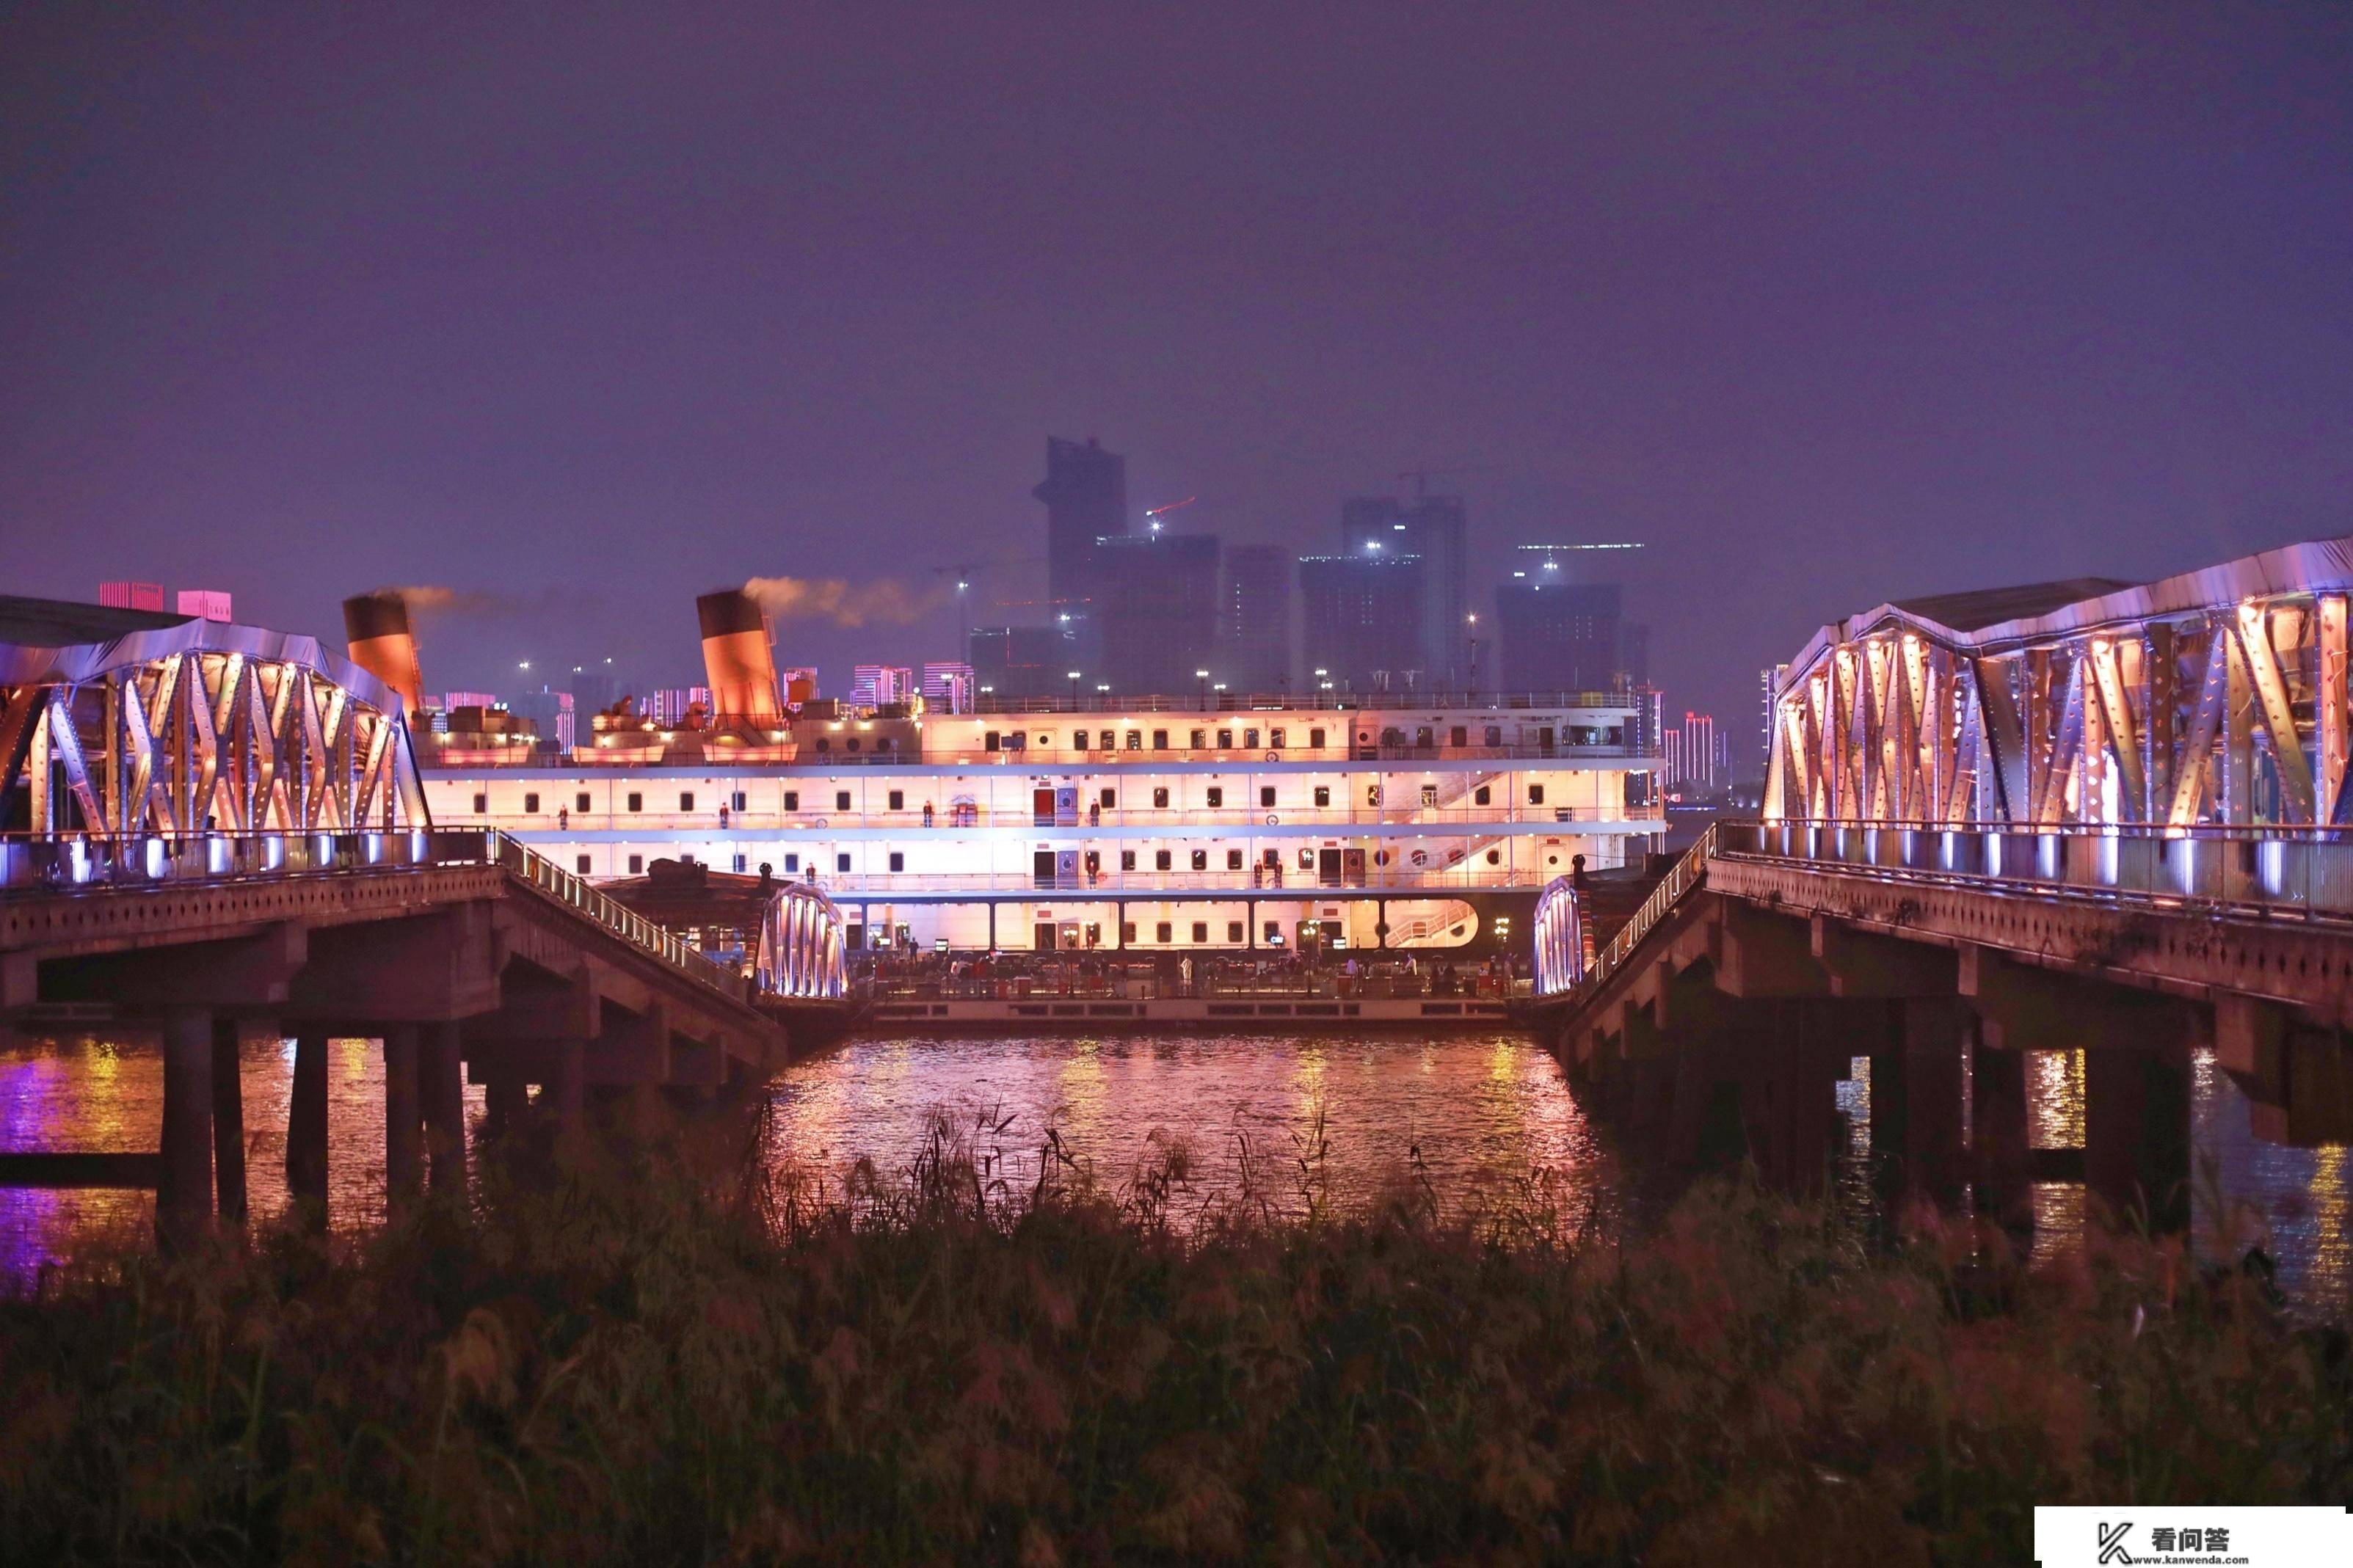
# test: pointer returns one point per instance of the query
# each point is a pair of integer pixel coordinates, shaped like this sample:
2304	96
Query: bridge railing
92	863
1689	872
2282	870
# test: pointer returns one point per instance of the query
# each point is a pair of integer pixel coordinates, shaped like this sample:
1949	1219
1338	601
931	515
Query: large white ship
1140	825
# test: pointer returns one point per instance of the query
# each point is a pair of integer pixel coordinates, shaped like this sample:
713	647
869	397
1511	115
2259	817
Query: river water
1482	1119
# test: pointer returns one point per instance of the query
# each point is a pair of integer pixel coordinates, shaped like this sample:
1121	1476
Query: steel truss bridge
2085	815
206	829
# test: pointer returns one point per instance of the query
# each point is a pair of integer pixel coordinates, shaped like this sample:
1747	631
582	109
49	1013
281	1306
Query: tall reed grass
642	1363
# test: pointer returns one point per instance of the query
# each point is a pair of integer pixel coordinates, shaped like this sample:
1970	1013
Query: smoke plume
884	601
426	599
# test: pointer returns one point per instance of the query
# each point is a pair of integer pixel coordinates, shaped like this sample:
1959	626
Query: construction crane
1152	515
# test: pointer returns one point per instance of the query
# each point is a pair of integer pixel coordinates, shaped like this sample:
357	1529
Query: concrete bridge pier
442	1089
306	1128
403	1127
228	1118
1916	1095
183	1192
2136	1131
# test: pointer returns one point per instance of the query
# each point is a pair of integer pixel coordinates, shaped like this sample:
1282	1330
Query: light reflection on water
1484	1112
107	1097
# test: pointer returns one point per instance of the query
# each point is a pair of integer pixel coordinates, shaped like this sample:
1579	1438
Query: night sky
589	315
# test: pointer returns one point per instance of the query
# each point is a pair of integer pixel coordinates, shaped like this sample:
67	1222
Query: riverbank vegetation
634	1365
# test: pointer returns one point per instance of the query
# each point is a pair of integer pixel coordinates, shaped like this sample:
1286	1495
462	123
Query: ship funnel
375	626
737	658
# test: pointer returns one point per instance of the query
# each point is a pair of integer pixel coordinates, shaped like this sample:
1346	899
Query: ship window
1233	859
1160	798
1224	740
1201	859
1105	741
481	804
1161	860
739	800
1107	799
1494	734
842	860
580	800
1164	931
1461	735
1217	796
1234	931
581	864
898	800
1200	930
636	801
1127	859
1159	739
1274	931
741	861
637	865
898	860
1275	737
989	741
686	800
792	864
1200	739
824	745
1042	738
1323	795
1494	856
1270	858
855	743
1315	738
791	800
1135	740
1250	740
842	800
1307	859
1266	794
1535	794
1127	933
1482	796
531	804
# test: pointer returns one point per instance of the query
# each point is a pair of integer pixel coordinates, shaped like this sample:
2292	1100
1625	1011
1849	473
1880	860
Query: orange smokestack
736	656
375	626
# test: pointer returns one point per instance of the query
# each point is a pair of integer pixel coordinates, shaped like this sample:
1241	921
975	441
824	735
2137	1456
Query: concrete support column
506	1101
403	1124
1916	1103
571	1088
183	1200
442	1070
306	1128
1998	1128
229	1121
2136	1132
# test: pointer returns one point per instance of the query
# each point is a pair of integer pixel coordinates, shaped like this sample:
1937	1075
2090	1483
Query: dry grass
931	1365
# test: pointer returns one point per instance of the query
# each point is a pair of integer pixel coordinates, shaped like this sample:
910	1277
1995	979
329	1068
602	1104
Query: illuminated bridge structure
208	830
800	953
2079	817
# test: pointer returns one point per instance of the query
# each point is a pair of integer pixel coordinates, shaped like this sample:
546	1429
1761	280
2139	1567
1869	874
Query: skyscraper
1085	492
1561	630
1355	610
1436	528
948	686
1254	617
873	685
1156	602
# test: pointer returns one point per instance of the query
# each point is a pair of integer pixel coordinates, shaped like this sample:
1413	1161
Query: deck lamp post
1074	691
1203	677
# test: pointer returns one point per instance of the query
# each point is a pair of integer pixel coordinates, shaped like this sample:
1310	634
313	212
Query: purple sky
1826	307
